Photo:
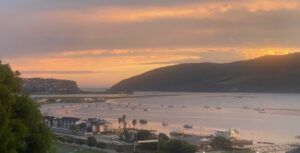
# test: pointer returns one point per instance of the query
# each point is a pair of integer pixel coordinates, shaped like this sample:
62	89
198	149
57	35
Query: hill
49	86
279	73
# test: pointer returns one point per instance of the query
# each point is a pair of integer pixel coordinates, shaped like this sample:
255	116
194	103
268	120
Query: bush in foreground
21	125
179	146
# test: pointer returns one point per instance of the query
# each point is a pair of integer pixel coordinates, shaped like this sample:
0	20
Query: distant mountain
265	74
49	86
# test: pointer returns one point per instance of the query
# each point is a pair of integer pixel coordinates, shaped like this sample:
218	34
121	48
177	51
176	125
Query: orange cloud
200	10
91	70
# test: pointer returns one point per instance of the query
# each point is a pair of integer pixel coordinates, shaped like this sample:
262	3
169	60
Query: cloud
122	38
33	72
178	26
131	13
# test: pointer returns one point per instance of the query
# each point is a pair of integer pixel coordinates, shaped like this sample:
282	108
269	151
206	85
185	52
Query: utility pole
157	146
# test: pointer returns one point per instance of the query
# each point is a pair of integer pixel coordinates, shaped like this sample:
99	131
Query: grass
64	148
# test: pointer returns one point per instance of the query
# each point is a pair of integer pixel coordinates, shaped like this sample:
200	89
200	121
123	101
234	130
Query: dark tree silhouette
21	126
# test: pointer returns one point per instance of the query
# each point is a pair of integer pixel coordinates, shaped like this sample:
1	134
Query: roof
70	118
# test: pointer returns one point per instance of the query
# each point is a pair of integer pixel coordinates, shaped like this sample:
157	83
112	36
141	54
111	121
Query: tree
124	121
91	141
22	129
80	142
120	121
179	146
134	122
163	136
145	135
101	145
119	149
143	121
221	143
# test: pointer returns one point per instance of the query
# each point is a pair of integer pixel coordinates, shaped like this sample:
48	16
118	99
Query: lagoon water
279	124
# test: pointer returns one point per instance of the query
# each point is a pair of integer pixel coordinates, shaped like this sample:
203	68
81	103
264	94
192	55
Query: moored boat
165	123
188	126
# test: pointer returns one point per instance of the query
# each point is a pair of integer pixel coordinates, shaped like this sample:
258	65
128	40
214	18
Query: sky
100	42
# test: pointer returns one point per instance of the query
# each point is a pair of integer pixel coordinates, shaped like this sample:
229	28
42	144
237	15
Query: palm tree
124	121
124	118
125	124
134	122
120	121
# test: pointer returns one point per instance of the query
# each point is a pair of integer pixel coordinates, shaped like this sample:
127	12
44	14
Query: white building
228	134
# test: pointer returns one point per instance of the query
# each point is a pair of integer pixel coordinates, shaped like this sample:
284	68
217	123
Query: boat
218	107
246	107
262	111
207	107
298	137
143	121
165	123
170	106
146	109
188	126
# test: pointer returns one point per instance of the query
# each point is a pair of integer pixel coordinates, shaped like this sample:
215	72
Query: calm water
280	122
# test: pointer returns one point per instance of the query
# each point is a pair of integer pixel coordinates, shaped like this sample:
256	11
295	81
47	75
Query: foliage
91	141
163	140
163	136
21	126
221	143
122	120
126	136
134	122
143	121
119	149
80	142
179	146
101	145
145	135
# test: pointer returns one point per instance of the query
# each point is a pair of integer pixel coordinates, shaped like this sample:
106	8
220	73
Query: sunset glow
101	43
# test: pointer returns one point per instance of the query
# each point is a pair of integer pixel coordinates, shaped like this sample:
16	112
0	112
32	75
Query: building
228	134
68	122
91	126
64	122
49	120
205	143
98	126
